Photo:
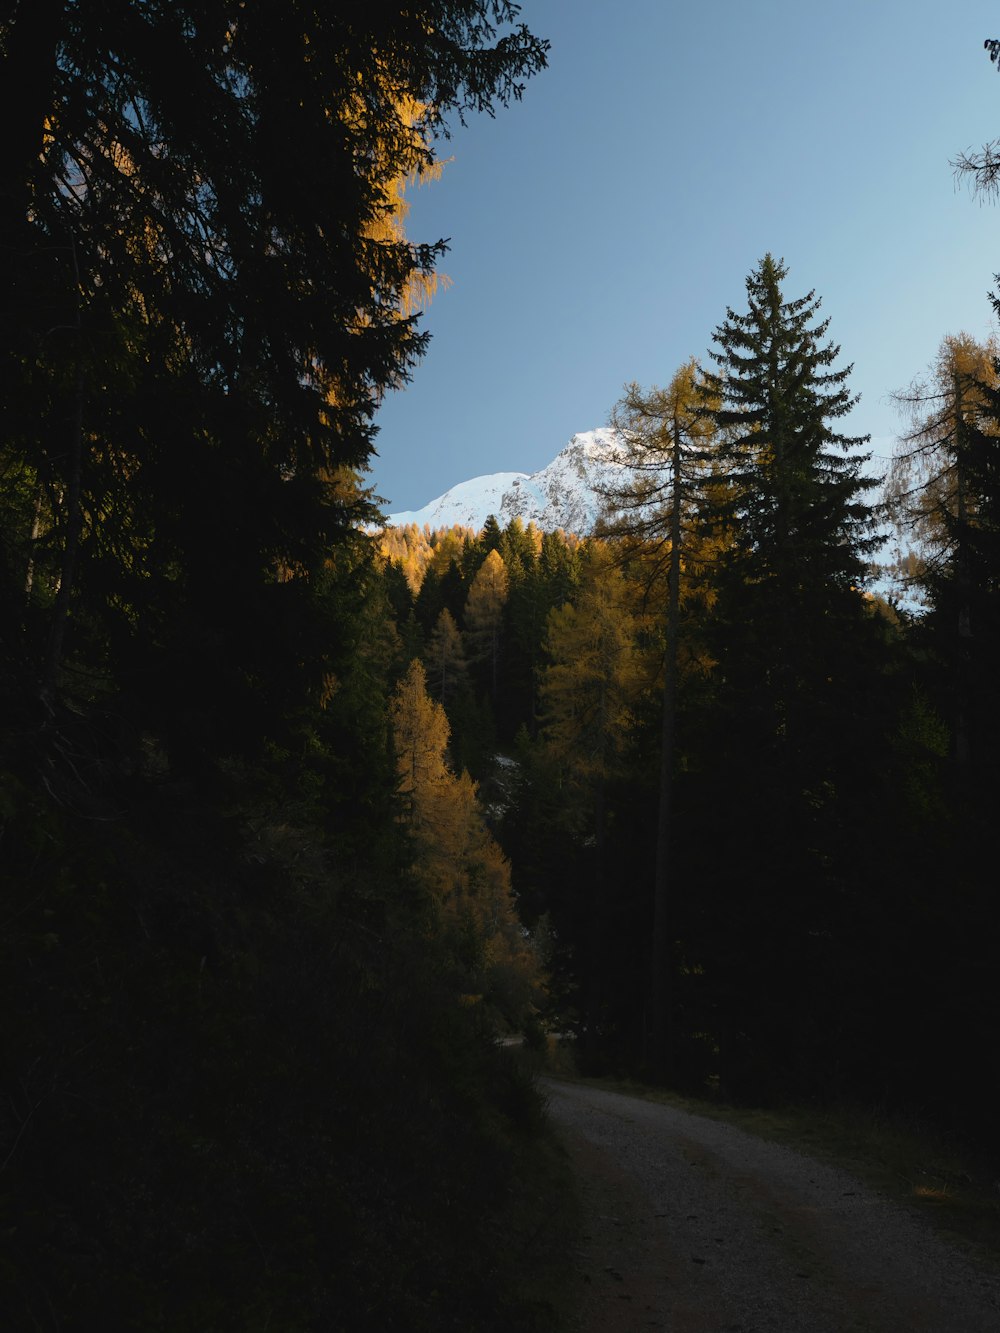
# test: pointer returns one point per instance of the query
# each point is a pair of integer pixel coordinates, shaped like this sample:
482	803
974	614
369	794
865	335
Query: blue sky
600	227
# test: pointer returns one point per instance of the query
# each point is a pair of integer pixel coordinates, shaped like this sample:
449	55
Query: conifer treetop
794	483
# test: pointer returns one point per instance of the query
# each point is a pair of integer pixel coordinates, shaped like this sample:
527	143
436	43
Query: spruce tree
787	737
205	290
793	494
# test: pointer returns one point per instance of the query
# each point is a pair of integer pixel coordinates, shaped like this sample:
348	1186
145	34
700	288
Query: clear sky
600	227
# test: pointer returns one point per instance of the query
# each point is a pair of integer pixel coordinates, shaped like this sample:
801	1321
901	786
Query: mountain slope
561	495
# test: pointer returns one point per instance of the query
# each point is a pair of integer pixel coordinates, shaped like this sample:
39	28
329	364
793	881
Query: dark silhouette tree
937	508
213	925
794	496
666	442
211	289
797	660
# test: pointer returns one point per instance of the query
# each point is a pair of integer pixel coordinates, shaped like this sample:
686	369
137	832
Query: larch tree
666	441
459	860
589	683
591	678
420	731
982	169
447	671
928	488
936	504
484	616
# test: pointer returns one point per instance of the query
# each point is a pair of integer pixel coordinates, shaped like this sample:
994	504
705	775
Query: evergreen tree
518	547
793	722
398	590
205	290
183	339
790	582
429	602
491	537
454	590
559	567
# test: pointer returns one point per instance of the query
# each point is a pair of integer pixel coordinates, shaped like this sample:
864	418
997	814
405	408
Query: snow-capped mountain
564	495
561	495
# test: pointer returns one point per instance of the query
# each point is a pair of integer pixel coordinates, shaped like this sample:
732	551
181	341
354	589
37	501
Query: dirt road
694	1226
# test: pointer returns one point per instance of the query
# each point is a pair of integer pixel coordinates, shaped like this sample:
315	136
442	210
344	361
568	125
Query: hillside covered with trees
747	801
300	818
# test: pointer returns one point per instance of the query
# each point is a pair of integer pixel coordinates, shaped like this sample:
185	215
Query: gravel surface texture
694	1225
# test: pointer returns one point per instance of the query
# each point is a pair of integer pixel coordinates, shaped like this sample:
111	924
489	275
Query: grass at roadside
547	1225
952	1184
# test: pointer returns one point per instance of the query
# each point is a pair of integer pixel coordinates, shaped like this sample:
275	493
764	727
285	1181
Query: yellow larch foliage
485	603
595	673
389	223
445	659
459	860
925	483
417	549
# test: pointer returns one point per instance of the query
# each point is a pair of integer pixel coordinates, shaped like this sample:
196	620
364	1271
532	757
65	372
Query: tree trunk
962	748
661	998
73	528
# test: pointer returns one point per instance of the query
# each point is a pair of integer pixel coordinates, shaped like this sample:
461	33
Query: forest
301	816
746	799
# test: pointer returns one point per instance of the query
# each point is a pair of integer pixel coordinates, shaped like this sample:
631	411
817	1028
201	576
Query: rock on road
694	1226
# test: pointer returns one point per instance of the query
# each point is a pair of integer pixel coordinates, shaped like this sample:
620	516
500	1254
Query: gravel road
694	1226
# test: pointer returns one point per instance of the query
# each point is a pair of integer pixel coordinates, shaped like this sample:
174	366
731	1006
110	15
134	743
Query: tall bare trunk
961	743
661	997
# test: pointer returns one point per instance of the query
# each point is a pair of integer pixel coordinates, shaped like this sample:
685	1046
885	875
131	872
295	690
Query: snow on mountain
561	495
468	504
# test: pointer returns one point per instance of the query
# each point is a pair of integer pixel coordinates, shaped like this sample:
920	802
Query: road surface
694	1226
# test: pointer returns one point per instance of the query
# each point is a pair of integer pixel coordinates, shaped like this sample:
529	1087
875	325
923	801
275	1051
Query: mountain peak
562	495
